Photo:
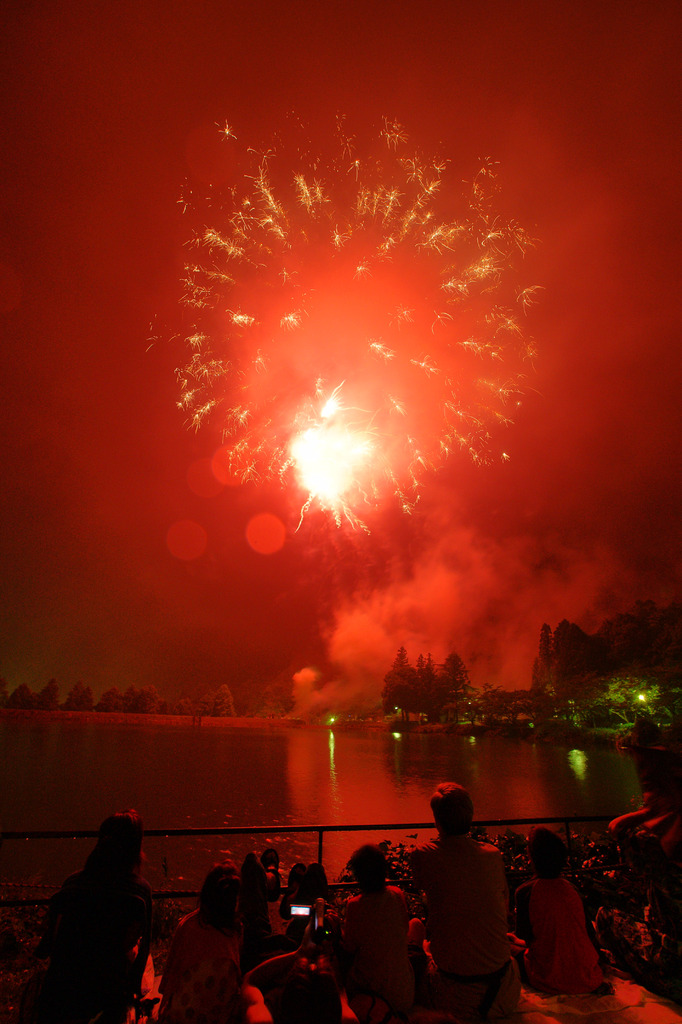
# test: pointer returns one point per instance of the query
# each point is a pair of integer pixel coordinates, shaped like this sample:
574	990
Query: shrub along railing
568	823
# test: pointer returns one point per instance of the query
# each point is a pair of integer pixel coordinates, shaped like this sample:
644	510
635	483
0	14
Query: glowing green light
397	735
641	696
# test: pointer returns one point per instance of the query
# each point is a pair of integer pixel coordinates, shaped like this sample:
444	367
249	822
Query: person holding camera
302	987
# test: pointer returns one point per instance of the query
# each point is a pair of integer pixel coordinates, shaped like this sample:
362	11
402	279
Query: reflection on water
578	762
332	765
61	775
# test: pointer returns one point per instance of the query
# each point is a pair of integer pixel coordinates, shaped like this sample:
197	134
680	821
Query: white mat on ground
629	1004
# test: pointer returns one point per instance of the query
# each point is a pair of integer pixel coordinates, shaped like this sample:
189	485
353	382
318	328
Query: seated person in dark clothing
550	917
313	886
293	882
269	858
98	932
258	942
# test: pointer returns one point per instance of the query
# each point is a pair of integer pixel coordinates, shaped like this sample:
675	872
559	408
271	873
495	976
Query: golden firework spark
362	263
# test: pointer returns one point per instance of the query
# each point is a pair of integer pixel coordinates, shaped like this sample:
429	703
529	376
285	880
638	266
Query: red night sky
107	109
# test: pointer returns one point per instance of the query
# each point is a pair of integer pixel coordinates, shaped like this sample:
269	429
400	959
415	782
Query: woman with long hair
99	931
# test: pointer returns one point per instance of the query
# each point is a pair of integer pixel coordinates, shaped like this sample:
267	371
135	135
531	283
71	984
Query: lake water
62	775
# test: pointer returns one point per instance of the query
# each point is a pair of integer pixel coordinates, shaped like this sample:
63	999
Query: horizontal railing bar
321	830
231	830
157	894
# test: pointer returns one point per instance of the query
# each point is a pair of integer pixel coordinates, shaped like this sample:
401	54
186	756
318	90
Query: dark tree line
425	689
632	664
134	700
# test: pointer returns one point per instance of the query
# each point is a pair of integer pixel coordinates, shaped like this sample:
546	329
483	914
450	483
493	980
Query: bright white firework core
328	459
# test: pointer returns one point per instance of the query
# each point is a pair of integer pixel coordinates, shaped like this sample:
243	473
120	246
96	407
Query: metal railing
320	830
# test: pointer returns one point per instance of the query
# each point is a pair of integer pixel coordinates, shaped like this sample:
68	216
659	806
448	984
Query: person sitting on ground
660	776
300	987
550	917
293	882
98	931
258	942
202	978
642	932
471	973
375	935
313	886
269	858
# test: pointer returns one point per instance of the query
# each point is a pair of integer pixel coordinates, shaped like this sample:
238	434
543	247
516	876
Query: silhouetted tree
4	692
471	706
542	666
223	704
399	686
543	704
630	637
667	645
48	698
491	702
148	701
79	698
203	705
145	701
110	701
131	699
431	689
511	704
575	656
667	692
22	698
455	681
184	706
275	700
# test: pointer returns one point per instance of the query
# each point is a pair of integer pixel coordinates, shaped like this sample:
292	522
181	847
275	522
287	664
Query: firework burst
356	317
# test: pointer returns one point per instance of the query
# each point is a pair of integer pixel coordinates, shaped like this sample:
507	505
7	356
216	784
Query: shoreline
551	731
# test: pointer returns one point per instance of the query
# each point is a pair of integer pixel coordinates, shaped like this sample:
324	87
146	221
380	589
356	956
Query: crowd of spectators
369	963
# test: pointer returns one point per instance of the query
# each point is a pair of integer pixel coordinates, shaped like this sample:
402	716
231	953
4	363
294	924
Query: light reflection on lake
62	775
578	762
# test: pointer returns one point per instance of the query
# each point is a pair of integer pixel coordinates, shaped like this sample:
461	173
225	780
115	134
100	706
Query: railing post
319	845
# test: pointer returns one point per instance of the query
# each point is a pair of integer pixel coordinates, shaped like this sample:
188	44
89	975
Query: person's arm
522	927
348	946
347	1015
264	977
271	972
253	1003
628	821
349	941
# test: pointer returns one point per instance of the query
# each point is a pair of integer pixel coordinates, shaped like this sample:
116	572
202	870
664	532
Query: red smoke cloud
483	598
